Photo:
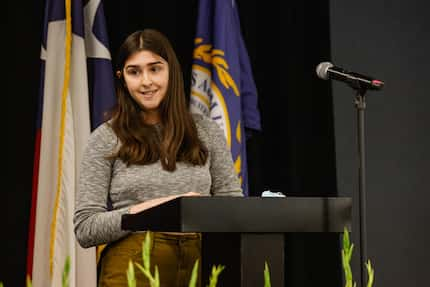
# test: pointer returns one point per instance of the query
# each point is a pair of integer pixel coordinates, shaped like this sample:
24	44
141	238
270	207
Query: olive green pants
174	254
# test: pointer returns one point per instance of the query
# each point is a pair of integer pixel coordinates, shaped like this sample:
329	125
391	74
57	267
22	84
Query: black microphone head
322	70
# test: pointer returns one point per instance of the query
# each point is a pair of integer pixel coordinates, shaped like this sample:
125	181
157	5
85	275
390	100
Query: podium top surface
245	215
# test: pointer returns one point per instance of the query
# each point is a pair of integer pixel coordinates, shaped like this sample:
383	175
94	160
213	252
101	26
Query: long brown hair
139	141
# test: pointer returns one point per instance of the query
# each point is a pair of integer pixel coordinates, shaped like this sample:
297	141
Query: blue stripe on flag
101	89
99	27
40	95
78	18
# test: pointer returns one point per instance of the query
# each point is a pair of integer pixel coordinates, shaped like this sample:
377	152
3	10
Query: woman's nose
146	79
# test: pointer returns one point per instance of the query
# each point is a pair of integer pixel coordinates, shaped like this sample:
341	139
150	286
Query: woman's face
146	76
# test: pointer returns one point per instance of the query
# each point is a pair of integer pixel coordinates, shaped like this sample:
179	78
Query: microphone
326	70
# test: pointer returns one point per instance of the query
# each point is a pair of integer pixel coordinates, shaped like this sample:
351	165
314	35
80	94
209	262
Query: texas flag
76	90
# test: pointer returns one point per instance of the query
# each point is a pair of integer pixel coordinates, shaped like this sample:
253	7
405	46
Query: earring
118	74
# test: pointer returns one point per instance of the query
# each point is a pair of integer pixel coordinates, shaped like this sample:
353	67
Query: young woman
151	151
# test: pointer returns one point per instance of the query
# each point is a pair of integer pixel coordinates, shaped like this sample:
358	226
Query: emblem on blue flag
222	85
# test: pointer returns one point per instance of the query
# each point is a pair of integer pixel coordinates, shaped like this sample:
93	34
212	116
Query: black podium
244	232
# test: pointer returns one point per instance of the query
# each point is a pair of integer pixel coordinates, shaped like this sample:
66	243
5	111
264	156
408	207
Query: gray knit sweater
101	178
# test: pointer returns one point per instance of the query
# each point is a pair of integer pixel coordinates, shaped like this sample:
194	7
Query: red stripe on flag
32	224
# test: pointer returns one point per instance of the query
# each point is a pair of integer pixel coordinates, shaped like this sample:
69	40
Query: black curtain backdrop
302	162
294	153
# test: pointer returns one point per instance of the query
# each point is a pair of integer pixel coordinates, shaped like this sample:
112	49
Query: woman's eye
133	72
155	69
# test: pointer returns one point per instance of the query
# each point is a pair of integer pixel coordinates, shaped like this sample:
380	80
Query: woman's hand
192	193
158	201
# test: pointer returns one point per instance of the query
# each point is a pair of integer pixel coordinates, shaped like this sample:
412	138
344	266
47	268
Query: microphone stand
360	104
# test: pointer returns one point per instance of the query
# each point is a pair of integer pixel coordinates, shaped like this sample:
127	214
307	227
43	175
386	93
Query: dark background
388	40
308	143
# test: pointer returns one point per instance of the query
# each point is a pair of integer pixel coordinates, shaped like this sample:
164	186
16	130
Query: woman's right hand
191	193
158	201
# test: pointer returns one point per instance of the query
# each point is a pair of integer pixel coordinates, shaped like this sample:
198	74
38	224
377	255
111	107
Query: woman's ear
118	74
120	77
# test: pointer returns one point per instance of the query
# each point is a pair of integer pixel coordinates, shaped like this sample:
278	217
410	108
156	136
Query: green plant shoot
266	275
347	249
194	274
28	281
346	259
370	273
146	254
66	271
154	280
216	270
131	278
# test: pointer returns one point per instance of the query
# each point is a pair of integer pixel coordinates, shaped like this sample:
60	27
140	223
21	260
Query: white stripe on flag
94	48
85	258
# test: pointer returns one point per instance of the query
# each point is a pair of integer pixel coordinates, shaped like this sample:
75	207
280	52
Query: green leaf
351	248
140	267
194	274
370	274
346	242
1	284
145	272
66	271
156	282
216	270
131	279
28	281
346	258
266	275
146	255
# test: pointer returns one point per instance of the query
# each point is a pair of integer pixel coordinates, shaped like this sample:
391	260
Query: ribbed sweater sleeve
94	223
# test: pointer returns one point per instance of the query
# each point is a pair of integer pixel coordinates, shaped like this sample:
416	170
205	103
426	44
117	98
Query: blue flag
222	86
